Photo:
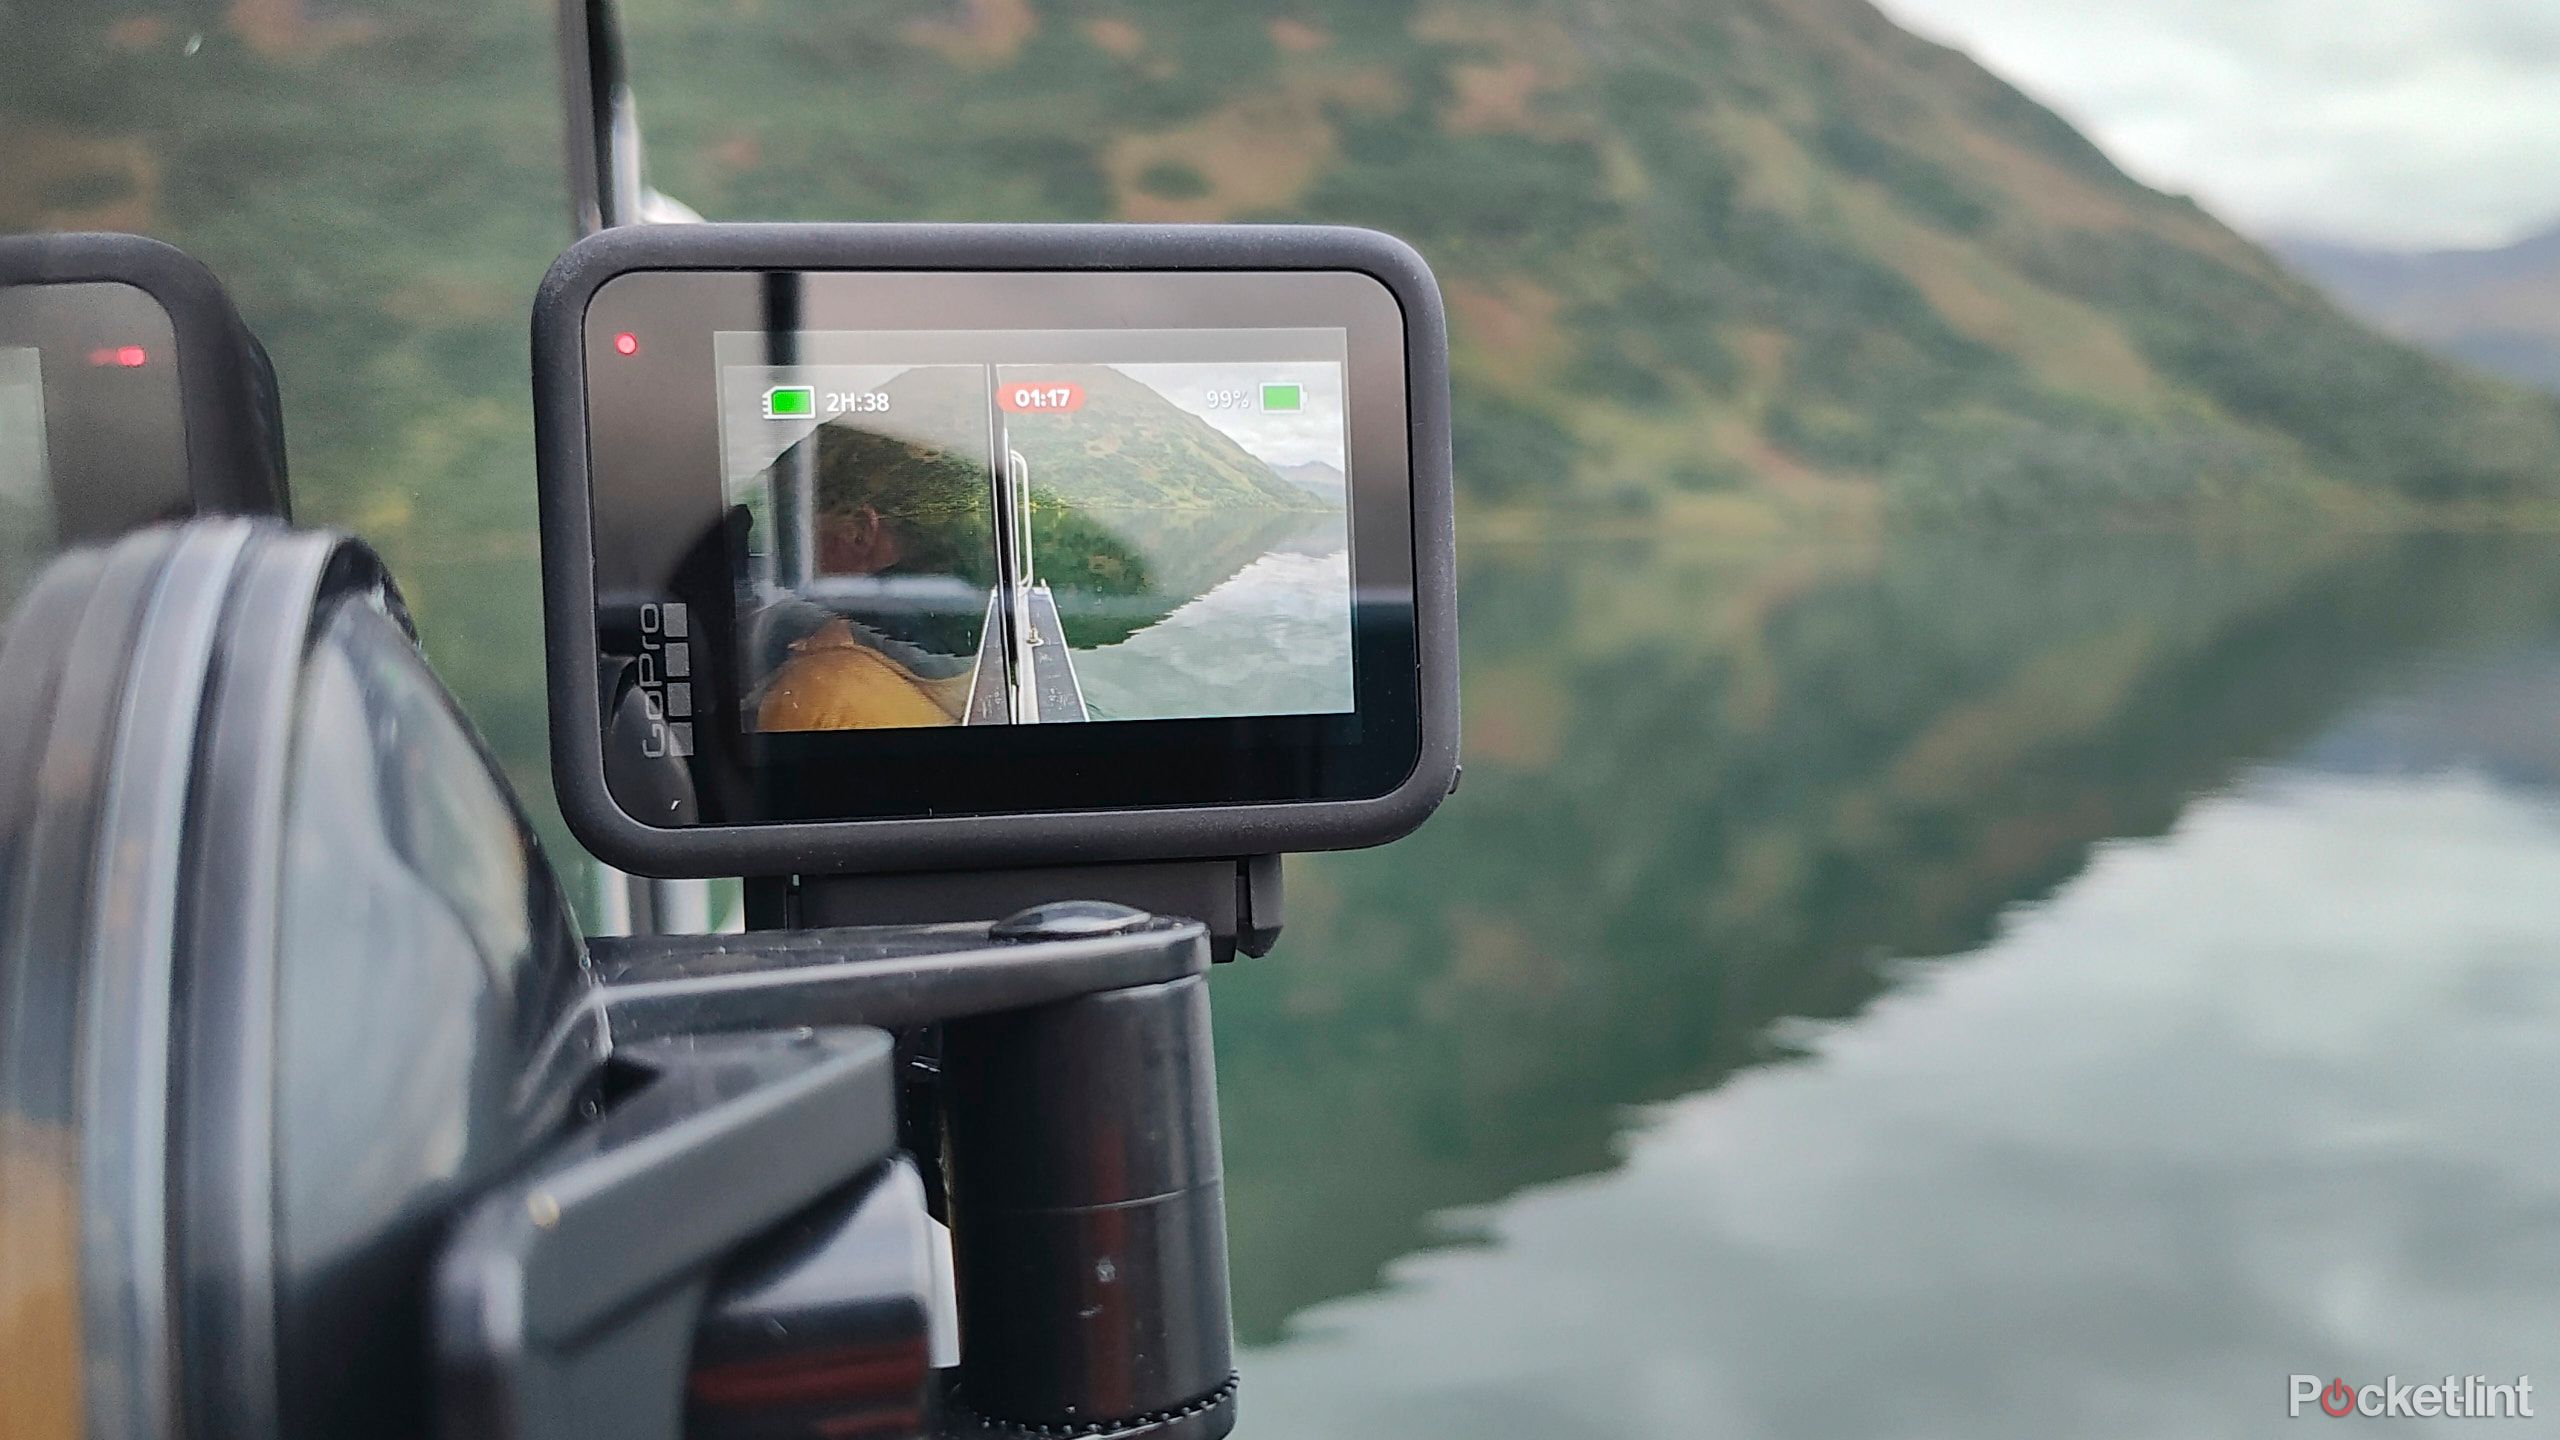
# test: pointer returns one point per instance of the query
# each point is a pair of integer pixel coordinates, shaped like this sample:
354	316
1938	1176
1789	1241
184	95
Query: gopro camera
878	549
130	393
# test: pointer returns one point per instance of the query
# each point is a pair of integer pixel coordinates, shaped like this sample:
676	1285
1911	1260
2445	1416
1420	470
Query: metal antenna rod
596	101
608	179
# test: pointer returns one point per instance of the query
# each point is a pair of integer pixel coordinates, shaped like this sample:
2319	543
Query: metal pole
592	91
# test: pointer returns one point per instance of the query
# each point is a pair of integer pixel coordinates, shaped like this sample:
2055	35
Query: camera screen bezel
1256	803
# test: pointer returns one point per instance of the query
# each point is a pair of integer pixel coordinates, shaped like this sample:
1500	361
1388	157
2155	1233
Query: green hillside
1130	448
1720	257
1723	261
1709	265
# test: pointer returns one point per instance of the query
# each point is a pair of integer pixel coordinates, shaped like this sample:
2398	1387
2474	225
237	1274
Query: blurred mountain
2498	309
1723	262
1728	263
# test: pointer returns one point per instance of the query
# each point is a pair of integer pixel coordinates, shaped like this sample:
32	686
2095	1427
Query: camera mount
1238	900
1081	1183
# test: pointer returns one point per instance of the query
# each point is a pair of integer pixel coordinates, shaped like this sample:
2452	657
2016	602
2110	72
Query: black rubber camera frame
975	843
226	384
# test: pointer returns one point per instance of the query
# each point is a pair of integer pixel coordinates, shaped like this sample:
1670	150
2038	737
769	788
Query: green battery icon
1282	397
790	402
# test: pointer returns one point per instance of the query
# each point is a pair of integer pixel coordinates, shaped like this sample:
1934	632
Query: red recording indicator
1041	397
626	343
128	357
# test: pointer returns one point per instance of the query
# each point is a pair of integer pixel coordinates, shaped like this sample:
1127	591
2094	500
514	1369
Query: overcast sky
2400	123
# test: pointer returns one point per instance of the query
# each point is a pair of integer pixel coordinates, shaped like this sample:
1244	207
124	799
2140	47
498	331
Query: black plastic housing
1087	1207
268	920
235	459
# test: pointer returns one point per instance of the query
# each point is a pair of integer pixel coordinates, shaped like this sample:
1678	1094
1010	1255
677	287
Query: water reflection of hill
1706	791
2269	1086
1183	554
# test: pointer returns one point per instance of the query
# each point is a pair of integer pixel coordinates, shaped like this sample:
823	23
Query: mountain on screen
1128	447
1323	481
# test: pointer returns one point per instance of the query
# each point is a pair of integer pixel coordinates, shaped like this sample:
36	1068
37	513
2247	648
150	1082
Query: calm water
1273	638
1948	987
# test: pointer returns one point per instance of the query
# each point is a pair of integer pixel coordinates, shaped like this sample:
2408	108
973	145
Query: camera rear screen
913	544
1038	527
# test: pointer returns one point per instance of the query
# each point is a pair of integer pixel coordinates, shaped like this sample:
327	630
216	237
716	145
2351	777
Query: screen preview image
26	491
1026	542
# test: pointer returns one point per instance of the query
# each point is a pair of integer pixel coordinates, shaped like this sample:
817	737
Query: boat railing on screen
914	495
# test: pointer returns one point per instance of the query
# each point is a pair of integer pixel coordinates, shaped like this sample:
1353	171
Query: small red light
626	343
132	357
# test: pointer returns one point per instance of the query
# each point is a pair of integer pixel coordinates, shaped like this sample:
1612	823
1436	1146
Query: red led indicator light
131	357
626	343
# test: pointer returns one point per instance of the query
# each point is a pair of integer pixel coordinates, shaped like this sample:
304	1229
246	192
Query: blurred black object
327	1121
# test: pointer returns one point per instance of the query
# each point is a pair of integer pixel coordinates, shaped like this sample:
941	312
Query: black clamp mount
1239	900
747	1091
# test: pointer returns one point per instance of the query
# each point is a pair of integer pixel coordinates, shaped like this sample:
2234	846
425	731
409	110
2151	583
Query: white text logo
666	680
2455	1397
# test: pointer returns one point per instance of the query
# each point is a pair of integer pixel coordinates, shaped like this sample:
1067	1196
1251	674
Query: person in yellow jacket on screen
834	681
886	507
